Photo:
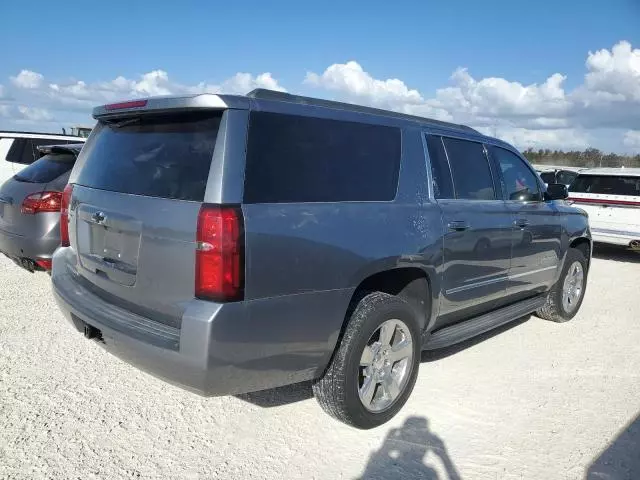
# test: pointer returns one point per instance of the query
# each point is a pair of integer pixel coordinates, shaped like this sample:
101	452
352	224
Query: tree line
591	157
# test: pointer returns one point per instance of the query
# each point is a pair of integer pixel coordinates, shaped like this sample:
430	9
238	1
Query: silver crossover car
30	208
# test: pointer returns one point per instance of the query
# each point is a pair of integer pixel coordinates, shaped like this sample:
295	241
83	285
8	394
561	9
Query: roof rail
265	94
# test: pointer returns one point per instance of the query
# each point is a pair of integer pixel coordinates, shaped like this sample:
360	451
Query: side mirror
556	191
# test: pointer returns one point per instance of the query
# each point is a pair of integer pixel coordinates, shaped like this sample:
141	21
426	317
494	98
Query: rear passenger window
471	174
442	183
25	150
293	159
14	155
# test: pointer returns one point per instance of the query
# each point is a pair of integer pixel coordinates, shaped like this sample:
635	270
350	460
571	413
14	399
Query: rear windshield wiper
124	123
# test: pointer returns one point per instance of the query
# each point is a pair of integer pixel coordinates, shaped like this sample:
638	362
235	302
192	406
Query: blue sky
418	43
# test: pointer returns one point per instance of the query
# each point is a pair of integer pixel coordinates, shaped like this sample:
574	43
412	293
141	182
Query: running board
467	329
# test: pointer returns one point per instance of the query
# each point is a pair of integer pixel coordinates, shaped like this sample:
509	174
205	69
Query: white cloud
533	115
632	140
497	97
561	139
614	75
34	114
63	103
239	84
156	82
543	114
350	78
27	79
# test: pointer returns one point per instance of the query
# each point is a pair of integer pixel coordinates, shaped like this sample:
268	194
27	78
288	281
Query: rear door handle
6	200
458	225
521	222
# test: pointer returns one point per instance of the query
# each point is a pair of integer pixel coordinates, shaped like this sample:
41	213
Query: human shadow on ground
615	253
404	451
621	459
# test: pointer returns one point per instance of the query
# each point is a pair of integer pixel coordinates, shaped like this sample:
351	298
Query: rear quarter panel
575	225
308	259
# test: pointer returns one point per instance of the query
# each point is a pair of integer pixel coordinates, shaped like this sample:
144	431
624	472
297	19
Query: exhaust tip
635	244
91	332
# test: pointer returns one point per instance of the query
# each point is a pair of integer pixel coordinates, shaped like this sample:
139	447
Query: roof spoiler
205	101
72	148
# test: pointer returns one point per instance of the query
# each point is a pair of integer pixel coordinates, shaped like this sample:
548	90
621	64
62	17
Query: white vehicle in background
20	149
611	197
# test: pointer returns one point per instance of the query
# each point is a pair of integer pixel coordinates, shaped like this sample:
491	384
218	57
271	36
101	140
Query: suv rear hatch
138	187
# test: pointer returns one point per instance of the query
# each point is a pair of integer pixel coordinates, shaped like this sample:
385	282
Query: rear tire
364	356
564	300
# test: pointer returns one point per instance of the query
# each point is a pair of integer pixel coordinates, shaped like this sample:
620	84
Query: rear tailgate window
607	185
46	169
166	156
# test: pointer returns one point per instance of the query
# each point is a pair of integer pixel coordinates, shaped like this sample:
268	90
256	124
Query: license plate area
108	244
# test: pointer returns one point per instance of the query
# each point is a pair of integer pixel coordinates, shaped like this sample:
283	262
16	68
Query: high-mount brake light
123	105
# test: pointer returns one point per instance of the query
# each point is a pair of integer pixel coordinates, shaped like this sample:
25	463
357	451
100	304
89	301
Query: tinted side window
607	185
30	151
14	155
440	171
566	177
548	177
304	159
519	181
471	174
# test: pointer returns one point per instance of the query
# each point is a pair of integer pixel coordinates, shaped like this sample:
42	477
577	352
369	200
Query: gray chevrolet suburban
230	244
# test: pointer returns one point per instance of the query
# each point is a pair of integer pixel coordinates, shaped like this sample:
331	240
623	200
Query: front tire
566	296
375	367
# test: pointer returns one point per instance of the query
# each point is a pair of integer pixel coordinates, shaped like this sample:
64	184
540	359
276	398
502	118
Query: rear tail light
44	263
41	202
219	254
64	215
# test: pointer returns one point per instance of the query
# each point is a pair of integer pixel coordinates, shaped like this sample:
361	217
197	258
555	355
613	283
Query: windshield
161	156
46	169
607	184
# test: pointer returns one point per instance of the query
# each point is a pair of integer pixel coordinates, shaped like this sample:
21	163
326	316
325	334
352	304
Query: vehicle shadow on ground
276	397
617	254
404	452
621	459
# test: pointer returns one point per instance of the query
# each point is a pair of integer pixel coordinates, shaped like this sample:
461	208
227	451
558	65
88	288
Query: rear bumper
219	349
17	247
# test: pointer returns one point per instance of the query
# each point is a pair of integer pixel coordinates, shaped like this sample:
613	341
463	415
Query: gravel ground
535	401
